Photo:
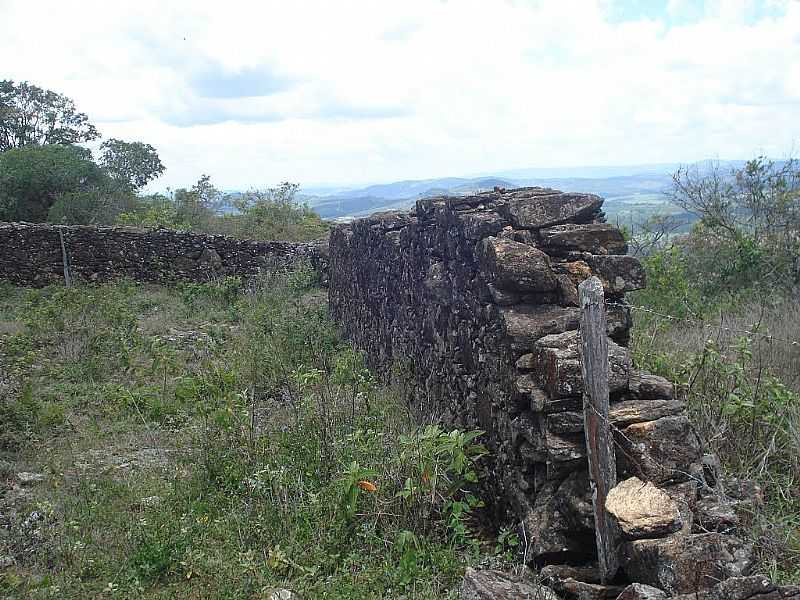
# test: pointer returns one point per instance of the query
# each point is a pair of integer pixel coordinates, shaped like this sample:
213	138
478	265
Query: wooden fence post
65	259
599	442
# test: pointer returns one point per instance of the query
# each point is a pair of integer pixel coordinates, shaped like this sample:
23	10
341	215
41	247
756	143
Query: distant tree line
45	175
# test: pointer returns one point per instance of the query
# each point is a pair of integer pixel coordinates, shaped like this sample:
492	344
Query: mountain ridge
620	185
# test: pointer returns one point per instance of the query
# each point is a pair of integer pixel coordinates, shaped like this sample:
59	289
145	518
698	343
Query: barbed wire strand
673	318
617	431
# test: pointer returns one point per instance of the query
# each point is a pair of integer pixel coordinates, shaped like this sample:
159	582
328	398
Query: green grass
217	441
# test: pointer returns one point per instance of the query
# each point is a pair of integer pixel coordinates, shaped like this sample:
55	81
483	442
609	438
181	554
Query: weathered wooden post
599	442
65	259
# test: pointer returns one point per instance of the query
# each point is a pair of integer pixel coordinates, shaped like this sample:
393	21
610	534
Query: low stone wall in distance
31	254
477	297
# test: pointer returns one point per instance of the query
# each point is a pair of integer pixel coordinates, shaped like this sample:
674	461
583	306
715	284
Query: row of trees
45	175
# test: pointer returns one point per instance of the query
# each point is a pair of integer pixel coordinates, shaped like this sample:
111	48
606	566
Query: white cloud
254	93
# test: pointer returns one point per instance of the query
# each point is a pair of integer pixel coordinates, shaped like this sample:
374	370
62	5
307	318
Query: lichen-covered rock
660	451
681	564
715	512
574	501
640	591
551	209
619	274
510	265
565	447
641	510
620	414
548	532
648	386
628	412
596	238
559	367
437	283
486	584
574	589
478	225
743	588
757	587
578	582
552	573
524	324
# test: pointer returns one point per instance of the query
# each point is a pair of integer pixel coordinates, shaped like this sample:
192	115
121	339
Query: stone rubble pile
477	298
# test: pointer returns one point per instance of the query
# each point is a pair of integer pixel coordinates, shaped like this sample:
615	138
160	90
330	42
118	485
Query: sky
254	93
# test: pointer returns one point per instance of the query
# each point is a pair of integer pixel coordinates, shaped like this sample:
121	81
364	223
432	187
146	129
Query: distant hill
631	192
399	195
403	194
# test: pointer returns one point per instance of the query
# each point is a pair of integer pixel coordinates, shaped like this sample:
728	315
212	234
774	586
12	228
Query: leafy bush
222	292
274	214
153	211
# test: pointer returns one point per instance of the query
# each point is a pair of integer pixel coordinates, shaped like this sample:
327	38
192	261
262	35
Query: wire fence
698	322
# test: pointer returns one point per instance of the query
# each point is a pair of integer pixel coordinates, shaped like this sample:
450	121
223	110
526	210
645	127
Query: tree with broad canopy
30	115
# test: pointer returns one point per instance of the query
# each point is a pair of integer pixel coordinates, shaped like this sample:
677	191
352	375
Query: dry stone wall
477	298
31	254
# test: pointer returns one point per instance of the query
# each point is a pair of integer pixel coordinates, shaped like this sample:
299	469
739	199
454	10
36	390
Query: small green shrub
84	325
19	419
159	549
442	474
223	292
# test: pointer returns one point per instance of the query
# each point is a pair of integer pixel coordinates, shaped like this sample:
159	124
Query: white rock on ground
282	594
26	478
